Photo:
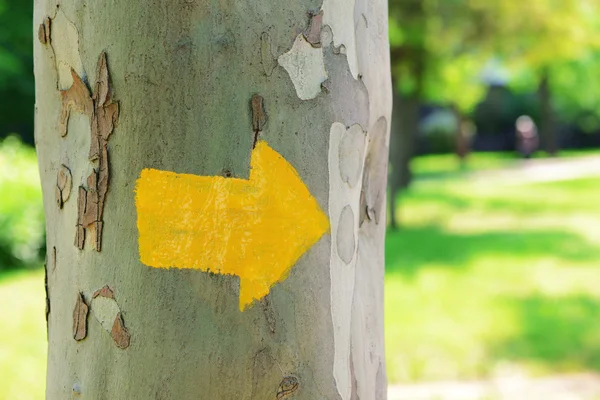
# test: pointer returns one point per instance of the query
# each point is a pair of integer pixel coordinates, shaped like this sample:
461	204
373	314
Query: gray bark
182	74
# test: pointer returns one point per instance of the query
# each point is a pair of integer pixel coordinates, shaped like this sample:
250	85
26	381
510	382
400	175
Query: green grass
485	277
22	335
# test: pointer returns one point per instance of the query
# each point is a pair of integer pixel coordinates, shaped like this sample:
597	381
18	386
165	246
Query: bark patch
352	149
64	182
104	114
63	36
313	33
259	117
373	192
77	98
119	333
108	314
288	385
80	313
44	30
345	239
306	68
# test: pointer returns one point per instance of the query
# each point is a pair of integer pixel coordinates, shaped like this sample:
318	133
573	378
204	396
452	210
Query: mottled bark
190	86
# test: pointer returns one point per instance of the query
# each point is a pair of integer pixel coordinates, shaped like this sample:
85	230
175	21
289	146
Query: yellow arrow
255	229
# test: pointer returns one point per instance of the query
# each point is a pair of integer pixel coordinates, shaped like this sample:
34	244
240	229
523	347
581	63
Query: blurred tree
16	69
435	55
439	49
545	43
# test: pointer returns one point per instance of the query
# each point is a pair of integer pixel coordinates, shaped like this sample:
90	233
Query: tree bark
192	94
405	127
548	135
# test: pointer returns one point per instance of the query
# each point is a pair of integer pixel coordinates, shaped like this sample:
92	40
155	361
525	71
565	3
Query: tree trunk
405	127
214	188
462	145
548	137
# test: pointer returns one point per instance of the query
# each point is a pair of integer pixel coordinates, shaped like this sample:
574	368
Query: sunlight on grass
489	276
22	336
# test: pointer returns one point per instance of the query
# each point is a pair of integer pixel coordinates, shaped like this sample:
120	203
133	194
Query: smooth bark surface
125	85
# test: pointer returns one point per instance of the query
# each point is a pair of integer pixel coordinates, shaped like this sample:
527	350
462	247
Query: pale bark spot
107	312
352	150
64	39
345	240
339	15
304	63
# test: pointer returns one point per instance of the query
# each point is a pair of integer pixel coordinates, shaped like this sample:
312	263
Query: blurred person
527	136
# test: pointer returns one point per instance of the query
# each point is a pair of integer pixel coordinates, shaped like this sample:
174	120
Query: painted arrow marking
256	229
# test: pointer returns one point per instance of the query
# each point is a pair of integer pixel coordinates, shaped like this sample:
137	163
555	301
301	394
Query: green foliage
21	211
16	65
488	274
439	49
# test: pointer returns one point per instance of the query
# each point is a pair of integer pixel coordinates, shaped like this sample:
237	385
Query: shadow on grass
560	331
413	248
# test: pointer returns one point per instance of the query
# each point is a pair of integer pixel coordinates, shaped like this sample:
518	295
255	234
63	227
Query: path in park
584	386
562	387
544	170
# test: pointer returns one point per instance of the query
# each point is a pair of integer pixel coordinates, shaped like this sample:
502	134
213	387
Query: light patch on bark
352	148
343	201
107	312
345	238
64	40
339	15
304	63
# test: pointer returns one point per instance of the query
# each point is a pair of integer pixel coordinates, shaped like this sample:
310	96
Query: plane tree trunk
177	140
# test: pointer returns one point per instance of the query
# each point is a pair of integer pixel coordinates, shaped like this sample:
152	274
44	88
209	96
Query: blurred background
494	212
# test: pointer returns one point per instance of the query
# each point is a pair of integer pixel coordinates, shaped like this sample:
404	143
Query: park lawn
488	278
22	335
484	278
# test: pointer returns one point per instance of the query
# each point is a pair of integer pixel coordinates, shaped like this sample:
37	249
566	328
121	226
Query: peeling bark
313	33
80	313
288	386
103	113
119	333
44	30
259	117
107	312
